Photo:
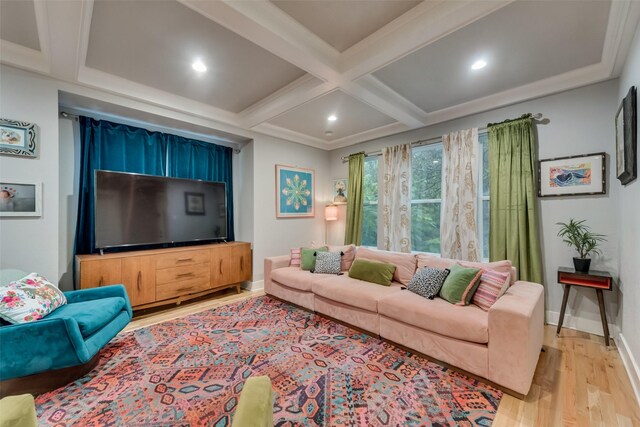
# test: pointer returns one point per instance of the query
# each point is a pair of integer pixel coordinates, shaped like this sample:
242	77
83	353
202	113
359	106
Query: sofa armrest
270	264
92	294
516	333
39	346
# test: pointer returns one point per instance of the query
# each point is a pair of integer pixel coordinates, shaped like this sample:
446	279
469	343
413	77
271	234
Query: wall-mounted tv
134	209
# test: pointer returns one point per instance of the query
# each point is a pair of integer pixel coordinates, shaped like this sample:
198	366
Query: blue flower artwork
295	192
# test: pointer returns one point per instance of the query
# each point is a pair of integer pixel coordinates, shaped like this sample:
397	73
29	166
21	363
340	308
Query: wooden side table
598	280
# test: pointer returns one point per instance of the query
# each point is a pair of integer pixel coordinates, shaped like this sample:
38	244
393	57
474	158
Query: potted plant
579	236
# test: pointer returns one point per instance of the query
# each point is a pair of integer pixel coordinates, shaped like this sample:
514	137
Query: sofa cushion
405	263
308	257
504	266
468	323
298	279
349	252
428	281
29	298
354	292
328	263
380	273
460	284
91	315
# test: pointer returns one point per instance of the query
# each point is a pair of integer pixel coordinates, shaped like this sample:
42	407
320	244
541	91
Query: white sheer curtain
458	225
396	198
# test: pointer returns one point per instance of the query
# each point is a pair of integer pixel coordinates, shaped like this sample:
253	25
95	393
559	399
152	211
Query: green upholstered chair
255	408
18	411
39	356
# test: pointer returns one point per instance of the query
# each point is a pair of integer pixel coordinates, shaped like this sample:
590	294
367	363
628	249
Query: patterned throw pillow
295	257
328	263
428	281
28	299
492	285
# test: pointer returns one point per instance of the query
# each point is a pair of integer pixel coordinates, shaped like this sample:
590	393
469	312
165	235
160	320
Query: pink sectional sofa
501	345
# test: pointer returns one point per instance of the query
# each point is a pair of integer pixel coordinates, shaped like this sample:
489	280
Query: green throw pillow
308	257
460	285
372	271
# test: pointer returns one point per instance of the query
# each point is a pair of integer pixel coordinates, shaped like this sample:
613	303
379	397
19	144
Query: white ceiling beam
303	90
265	25
65	20
623	19
419	27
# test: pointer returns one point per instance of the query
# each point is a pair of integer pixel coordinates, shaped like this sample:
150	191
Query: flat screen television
134	209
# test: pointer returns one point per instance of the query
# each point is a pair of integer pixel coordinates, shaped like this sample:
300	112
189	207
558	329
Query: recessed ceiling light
480	63
199	66
332	118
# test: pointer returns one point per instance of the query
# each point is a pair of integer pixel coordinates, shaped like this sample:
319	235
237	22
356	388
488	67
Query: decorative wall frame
585	174
627	138
18	138
295	192
20	199
340	191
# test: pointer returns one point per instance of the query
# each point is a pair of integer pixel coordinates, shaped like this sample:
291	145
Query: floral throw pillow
29	299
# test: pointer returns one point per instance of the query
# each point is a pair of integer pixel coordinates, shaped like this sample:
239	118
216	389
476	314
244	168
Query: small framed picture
20	199
194	203
18	138
340	191
627	138
573	175
295	192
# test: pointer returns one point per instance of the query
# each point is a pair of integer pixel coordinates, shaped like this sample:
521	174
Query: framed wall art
340	191
627	138
18	138
572	176
295	192
20	199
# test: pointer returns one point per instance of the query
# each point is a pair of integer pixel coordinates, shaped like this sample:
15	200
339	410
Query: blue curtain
193	159
113	147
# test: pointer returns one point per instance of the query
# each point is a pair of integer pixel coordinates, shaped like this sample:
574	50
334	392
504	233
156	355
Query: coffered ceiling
281	68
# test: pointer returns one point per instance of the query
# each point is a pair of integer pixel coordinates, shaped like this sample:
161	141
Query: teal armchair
69	337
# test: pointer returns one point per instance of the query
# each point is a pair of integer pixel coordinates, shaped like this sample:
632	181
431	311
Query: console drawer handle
139	280
184	259
184	275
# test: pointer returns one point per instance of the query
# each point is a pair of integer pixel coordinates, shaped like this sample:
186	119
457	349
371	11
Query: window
483	197
370	208
426	198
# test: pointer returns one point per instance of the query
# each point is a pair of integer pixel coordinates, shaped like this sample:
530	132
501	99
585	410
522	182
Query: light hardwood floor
578	382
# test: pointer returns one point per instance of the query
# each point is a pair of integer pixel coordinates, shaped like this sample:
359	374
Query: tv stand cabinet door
139	277
221	266
100	272
242	261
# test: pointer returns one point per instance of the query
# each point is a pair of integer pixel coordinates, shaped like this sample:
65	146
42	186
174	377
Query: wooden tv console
162	276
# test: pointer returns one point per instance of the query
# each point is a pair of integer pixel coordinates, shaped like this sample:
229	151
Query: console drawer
179	274
183	258
183	287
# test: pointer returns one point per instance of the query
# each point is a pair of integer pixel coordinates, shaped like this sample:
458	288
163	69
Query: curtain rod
75	117
421	142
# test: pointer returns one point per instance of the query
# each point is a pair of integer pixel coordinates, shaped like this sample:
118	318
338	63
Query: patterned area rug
190	371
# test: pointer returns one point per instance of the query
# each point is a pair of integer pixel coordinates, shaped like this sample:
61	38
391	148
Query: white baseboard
253	286
630	364
581	324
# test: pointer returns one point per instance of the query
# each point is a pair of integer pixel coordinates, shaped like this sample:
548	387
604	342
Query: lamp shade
331	213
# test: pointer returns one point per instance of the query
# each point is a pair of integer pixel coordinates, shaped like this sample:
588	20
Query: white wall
580	122
628	223
31	244
277	236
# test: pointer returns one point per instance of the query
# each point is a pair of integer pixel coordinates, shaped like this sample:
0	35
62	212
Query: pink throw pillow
295	257
492	285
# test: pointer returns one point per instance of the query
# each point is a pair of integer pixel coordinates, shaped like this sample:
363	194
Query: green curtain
513	203
355	200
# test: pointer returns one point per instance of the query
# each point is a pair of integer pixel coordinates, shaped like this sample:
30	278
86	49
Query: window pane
427	172
425	227
370	211
370	225
370	180
485	229
484	145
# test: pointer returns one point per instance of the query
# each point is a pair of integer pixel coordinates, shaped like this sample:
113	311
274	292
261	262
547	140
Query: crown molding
368	135
291	135
24	57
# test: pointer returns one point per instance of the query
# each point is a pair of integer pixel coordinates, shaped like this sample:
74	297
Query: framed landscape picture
18	138
295	192
627	138
572	176
20	199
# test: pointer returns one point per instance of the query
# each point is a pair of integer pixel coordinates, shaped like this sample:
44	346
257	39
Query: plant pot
582	264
